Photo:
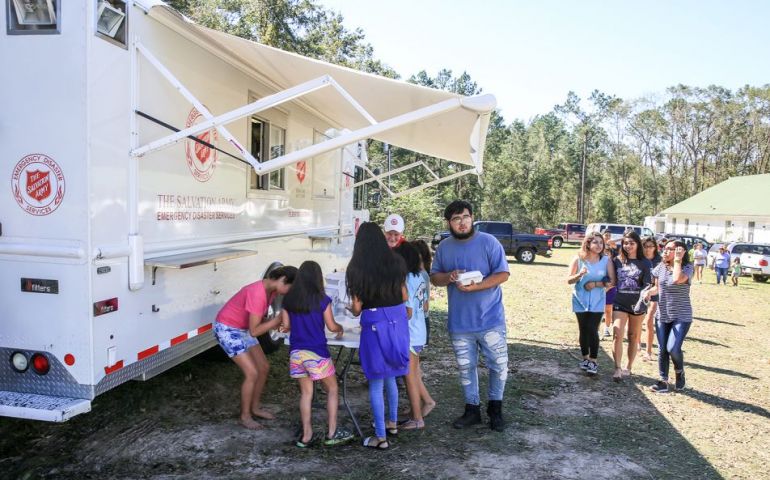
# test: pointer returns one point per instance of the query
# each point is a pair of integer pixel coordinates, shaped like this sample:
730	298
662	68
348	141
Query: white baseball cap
394	222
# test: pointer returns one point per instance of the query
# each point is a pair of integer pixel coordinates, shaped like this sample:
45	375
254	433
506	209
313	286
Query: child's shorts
416	349
234	341
304	363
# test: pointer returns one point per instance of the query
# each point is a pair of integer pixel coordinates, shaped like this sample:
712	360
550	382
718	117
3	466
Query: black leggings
589	332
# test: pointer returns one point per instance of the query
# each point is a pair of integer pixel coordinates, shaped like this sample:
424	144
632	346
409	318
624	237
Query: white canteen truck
152	167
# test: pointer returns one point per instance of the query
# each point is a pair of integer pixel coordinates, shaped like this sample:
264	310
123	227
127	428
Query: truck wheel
272	340
760	278
557	242
525	255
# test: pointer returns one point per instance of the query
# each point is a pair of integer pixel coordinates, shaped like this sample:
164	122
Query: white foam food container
473	276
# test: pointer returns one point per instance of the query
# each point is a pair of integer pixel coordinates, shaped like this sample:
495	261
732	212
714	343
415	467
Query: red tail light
763	263
40	364
550	243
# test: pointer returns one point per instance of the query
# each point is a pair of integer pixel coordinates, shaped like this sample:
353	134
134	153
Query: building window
268	141
673	225
686	225
32	17
112	21
728	224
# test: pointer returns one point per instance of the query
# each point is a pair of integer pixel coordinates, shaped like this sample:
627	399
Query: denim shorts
234	341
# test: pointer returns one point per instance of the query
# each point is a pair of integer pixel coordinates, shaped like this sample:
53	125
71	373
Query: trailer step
41	407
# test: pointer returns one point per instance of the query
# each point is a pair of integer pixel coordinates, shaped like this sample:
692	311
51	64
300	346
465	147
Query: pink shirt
251	299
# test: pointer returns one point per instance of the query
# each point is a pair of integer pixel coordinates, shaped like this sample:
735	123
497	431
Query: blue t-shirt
308	330
479	311
590	301
415	285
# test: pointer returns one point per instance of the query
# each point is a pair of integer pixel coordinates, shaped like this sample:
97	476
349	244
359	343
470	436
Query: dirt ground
562	424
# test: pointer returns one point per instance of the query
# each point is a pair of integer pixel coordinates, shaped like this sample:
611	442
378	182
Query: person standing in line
588	272
420	401
393	226
650	247
722	265
699	257
633	275
672	284
610	251
238	324
736	271
306	311
376	286
425	262
476	316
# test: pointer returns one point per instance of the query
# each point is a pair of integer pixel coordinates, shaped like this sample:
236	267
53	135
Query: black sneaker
660	387
592	368
472	416
584	364
680	382
495	413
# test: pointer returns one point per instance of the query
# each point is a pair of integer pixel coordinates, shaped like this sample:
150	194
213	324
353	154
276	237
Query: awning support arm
434	182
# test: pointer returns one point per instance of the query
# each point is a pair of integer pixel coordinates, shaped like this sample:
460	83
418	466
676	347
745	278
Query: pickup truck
564	233
757	263
524	246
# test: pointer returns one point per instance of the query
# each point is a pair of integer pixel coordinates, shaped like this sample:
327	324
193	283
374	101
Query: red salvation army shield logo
201	158
38	184
301	169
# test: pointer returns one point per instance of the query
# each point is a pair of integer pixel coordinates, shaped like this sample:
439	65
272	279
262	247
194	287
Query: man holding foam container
472	265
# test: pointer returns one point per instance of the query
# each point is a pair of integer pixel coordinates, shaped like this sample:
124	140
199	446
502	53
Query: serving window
268	141
33	17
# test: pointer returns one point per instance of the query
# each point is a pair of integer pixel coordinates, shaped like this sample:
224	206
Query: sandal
376	443
412	424
392	431
341	435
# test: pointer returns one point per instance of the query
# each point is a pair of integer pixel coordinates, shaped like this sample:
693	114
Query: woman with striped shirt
672	285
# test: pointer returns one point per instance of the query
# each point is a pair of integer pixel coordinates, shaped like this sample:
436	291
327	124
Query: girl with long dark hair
672	283
650	248
376	286
591	271
633	274
306	311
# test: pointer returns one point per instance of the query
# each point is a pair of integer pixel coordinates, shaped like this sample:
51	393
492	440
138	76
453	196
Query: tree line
603	158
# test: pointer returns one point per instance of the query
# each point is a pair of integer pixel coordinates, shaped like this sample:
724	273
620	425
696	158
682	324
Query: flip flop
412	424
376	443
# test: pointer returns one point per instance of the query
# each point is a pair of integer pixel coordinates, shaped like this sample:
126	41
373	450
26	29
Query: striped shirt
674	303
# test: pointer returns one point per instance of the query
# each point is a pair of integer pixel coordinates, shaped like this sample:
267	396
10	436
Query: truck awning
364	100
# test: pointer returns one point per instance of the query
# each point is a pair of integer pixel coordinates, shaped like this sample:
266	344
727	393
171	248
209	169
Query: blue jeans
721	274
378	402
670	338
495	350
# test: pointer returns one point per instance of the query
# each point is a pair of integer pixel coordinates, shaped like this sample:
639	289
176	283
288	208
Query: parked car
689	240
757	263
524	246
564	233
618	229
736	249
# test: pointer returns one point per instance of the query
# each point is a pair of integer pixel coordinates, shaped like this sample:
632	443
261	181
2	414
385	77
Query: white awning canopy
428	121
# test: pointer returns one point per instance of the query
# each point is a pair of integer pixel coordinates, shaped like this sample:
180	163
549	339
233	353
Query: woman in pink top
238	324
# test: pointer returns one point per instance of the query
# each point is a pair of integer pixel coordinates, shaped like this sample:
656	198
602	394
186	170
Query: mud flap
41	407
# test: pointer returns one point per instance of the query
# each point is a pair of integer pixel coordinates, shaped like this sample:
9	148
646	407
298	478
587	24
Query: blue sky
529	54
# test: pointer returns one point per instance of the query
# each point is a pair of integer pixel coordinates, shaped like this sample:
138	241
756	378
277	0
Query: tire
525	255
760	278
557	242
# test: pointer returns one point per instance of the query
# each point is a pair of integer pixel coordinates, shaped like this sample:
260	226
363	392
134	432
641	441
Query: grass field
562	424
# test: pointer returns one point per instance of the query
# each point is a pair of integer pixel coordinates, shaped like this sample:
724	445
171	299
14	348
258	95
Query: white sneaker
607	332
584	365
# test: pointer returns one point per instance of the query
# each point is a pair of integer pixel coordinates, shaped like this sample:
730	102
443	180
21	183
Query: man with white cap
394	230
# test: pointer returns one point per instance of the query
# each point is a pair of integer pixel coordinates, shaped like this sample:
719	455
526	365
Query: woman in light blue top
591	272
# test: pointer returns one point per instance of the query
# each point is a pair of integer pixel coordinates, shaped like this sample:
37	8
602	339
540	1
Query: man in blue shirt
476	316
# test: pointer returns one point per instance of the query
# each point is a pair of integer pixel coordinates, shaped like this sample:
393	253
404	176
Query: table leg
344	375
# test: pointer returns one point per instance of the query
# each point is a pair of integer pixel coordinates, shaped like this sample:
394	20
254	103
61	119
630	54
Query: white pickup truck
757	263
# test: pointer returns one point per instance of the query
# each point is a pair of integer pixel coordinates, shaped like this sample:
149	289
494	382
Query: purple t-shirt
308	330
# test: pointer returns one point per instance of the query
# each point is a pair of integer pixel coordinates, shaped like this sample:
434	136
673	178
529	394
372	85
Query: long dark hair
307	291
631	234
411	257
374	273
425	256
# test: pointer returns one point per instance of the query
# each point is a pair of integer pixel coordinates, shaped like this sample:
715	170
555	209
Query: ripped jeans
495	350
